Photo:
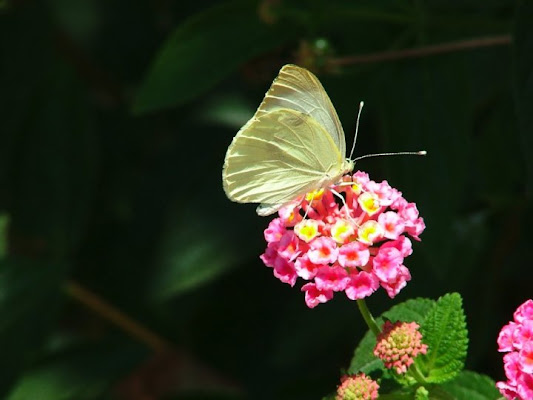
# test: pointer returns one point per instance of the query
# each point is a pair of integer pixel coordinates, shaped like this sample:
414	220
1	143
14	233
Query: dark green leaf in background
203	51
30	300
83	373
192	253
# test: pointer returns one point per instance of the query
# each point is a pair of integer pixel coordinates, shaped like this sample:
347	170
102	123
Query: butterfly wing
296	88
277	157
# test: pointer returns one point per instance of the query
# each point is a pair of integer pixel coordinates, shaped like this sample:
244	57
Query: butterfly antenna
400	153
361	104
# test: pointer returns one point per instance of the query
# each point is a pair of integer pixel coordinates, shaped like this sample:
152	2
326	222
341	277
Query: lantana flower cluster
357	387
516	339
398	344
353	245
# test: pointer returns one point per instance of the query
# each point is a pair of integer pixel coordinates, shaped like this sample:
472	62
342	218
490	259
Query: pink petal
362	284
313	296
353	254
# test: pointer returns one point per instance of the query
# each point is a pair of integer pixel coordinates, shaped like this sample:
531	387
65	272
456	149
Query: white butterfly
292	145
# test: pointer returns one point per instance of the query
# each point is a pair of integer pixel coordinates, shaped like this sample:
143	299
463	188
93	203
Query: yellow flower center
369	202
307	230
369	232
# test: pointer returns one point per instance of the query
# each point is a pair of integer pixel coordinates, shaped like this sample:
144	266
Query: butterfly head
348	166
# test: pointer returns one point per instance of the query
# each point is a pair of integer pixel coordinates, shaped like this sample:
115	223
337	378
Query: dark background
125	271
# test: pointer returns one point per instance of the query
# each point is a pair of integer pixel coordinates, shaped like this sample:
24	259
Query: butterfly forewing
279	156
298	89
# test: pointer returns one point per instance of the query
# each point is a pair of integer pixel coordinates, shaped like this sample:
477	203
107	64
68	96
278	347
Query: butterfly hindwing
279	156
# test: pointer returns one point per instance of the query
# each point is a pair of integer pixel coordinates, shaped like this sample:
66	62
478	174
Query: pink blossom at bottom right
516	339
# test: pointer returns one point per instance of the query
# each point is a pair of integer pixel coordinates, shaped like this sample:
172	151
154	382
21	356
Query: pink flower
416	228
289	246
384	192
288	215
524	334
409	212
275	230
284	271
526	357
524	312
270	254
323	250
362	284
516	338
393	288
314	296
353	246
403	244
392	224
506	337
305	268
387	264
353	254
332	278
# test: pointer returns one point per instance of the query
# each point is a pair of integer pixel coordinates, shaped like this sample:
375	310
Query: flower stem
115	316
415	373
422	51
367	316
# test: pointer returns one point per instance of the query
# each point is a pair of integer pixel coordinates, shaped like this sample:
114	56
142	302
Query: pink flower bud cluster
516	339
354	246
357	387
398	344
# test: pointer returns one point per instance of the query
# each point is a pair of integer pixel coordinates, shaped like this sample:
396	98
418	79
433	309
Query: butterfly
293	144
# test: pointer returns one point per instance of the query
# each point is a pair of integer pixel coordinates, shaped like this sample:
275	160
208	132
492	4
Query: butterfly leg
346	208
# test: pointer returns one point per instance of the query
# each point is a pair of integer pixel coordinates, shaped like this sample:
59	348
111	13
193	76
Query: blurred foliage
115	117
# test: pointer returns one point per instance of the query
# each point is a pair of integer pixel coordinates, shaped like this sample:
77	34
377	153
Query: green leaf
204	50
83	374
444	331
30	296
193	252
472	386
523	81
411	310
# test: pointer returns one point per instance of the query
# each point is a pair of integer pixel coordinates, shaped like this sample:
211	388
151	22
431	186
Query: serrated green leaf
30	296
444	331
472	386
410	310
204	50
523	81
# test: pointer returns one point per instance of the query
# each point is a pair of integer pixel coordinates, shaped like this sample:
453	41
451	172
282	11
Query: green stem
415	373
367	316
